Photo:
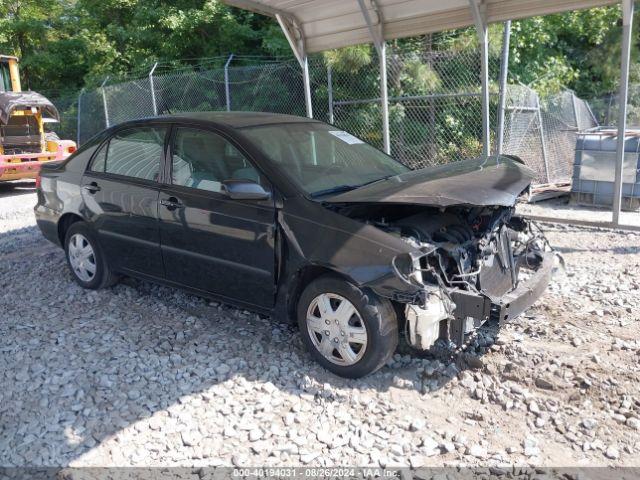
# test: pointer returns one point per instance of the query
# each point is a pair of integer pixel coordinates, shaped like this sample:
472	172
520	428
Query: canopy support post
627	24
543	143
384	95
295	37
377	35
504	71
478	9
307	86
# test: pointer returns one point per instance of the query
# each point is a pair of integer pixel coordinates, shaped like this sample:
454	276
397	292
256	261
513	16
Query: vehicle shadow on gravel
80	367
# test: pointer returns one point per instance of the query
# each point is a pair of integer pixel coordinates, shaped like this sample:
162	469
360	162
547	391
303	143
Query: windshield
321	158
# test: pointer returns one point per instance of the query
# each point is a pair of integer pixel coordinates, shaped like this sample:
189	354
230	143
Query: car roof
240	119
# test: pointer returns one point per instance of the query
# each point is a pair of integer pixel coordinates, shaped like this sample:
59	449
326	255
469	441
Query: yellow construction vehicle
24	144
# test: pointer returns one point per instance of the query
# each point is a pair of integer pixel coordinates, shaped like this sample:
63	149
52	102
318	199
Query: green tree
66	44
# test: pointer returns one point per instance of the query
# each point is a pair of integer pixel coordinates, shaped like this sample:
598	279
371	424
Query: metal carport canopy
317	25
329	24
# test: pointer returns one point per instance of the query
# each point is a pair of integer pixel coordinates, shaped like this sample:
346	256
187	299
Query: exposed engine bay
468	260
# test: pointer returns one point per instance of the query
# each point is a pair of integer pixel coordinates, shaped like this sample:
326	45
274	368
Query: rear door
120	190
209	241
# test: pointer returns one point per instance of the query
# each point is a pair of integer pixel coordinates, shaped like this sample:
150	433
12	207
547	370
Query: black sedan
295	218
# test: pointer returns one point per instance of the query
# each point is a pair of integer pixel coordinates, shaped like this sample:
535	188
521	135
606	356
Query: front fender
360	252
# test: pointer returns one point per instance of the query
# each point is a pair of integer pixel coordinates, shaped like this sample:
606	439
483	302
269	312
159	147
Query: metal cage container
595	164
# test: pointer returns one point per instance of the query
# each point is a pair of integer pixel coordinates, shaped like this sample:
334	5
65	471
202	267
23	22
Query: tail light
38	181
71	149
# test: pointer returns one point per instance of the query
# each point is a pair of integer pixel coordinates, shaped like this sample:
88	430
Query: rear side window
100	160
132	153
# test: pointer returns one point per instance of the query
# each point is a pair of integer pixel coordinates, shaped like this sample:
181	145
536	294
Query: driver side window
203	160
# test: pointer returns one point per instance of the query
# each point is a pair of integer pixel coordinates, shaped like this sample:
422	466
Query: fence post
504	71
104	102
79	117
542	141
608	114
153	90
330	93
575	109
227	90
593	117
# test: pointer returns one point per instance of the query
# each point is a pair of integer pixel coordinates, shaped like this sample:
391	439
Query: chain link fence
434	97
606	109
434	104
543	132
67	105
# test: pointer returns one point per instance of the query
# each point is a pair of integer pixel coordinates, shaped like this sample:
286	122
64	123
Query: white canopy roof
328	24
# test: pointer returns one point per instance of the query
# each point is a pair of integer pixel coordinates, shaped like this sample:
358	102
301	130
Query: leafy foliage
67	44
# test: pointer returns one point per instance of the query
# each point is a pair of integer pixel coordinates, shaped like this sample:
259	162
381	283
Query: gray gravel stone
477	451
612	453
140	374
633	423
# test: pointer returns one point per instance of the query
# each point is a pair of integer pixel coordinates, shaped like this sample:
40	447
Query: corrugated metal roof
328	24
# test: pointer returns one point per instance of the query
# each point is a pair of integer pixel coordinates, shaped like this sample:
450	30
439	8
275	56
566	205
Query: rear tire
85	258
350	331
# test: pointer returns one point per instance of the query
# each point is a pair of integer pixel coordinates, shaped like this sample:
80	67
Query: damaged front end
470	264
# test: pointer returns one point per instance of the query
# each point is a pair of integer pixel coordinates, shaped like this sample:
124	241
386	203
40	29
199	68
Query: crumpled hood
10	101
483	182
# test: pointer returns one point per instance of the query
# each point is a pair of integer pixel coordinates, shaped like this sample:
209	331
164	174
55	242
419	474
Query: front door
209	241
120	189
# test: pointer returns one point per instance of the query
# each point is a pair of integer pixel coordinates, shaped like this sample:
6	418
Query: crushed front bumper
472	309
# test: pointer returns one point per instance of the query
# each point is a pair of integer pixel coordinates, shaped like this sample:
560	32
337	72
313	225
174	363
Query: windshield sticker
345	137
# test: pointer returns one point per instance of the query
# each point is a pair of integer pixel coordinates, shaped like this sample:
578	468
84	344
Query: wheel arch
303	277
65	222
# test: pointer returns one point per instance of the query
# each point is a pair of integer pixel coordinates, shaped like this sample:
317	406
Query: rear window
134	153
20	125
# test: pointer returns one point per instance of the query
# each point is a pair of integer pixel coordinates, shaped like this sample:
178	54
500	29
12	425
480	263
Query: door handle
92	187
171	203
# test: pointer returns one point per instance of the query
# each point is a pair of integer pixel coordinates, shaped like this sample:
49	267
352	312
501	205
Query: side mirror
244	190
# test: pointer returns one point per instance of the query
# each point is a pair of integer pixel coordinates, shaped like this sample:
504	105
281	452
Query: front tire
86	261
347	330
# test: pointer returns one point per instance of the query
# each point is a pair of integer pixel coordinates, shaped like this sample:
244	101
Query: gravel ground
146	375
